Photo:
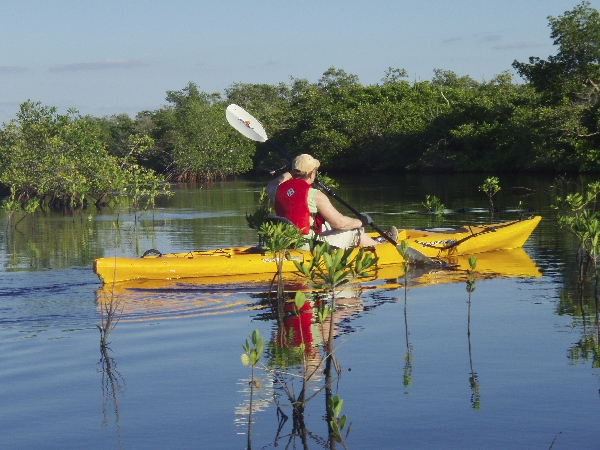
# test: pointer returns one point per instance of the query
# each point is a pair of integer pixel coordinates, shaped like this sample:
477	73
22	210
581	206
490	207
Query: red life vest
291	202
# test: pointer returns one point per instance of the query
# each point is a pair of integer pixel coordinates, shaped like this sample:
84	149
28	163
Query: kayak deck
432	243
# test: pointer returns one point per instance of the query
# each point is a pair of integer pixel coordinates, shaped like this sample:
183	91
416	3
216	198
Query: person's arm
274	184
336	219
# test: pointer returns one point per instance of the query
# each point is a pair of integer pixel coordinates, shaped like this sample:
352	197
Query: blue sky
109	57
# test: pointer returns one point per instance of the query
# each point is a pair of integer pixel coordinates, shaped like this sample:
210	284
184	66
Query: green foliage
403	250
337	78
116	134
323	311
470	277
142	182
264	210
278	237
328	181
568	85
449	79
577	213
337	422
331	268
253	349
576	66
299	301
258	217
433	205
60	160
10	205
394	75
203	146
490	187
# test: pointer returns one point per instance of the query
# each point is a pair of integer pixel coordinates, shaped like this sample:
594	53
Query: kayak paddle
249	126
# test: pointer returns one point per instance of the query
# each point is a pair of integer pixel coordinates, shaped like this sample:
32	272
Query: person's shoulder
320	196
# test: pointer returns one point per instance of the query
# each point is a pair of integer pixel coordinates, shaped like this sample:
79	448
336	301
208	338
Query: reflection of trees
578	215
586	311
38	242
112	380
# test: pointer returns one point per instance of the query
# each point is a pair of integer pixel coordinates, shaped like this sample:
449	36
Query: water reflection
584	308
473	378
175	299
301	364
408	356
113	382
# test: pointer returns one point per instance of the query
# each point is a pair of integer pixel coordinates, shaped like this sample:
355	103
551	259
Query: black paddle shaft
332	193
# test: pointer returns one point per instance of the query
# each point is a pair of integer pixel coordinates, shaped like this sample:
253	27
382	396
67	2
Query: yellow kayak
255	263
155	299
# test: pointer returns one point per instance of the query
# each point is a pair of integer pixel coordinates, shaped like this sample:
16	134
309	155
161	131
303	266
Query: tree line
449	123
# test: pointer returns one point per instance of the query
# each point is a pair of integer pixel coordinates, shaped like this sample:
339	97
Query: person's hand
365	219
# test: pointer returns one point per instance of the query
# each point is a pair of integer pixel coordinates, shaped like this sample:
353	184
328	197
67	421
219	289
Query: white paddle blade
242	120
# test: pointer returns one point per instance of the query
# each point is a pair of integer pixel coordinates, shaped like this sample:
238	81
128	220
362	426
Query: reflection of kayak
254	264
499	263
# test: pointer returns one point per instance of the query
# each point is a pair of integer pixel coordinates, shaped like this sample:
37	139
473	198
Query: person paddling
311	211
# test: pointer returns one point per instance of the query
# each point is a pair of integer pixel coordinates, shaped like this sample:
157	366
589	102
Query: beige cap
305	163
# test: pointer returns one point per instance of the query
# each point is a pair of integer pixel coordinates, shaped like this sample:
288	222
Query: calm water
412	376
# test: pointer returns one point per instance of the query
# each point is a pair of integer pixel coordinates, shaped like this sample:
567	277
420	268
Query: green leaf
300	299
473	262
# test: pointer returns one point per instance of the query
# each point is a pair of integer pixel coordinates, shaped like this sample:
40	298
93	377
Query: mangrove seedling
299	301
490	187
253	351
277	239
329	269
263	211
473	381
403	249
470	277
433	205
578	215
337	422
328	181
407	372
